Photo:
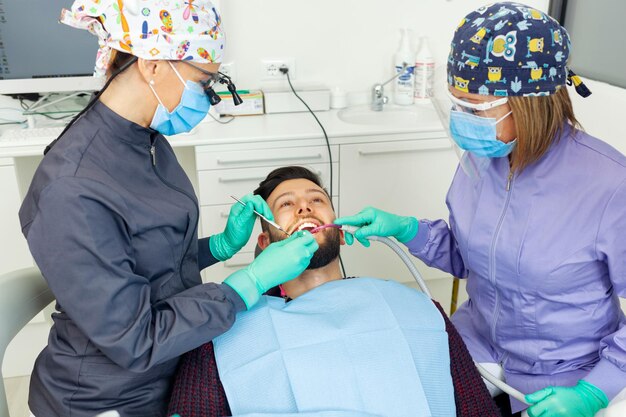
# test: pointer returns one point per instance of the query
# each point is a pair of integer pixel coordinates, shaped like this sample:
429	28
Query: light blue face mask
192	109
477	134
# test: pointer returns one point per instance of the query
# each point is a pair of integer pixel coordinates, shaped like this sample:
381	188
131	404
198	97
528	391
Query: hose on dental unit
422	284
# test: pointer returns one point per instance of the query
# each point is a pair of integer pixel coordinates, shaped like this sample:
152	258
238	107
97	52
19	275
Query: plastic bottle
424	71
404	84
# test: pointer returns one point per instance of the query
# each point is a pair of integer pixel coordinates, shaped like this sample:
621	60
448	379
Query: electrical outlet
228	68
270	68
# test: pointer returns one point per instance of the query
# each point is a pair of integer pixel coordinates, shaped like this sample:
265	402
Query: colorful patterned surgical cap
510	49
150	29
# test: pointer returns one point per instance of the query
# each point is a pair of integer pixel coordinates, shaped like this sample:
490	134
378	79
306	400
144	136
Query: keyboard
39	136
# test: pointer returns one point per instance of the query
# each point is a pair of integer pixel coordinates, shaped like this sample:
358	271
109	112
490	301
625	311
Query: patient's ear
342	237
263	240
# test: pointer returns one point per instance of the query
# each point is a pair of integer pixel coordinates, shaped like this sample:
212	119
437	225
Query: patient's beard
328	250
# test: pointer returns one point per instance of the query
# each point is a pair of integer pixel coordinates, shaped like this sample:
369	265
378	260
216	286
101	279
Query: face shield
472	132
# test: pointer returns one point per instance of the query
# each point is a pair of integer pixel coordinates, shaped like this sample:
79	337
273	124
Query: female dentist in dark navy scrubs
111	219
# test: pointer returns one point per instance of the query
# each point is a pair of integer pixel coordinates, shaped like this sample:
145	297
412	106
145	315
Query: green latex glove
279	262
375	222
238	227
583	400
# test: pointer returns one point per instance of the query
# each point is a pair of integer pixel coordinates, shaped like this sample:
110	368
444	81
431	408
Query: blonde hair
539	121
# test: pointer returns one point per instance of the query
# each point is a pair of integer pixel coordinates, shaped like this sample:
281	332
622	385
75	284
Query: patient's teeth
307	225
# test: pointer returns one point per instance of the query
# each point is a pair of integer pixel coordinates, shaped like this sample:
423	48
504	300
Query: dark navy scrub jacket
112	222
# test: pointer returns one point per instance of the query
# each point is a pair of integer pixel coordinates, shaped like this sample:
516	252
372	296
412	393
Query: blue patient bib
358	347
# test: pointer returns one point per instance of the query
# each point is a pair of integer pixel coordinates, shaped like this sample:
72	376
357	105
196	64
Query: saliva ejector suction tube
422	284
393	245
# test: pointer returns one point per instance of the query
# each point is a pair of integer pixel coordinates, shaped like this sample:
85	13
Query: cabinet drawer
216	187
221	270
214	221
207	159
391	149
6	162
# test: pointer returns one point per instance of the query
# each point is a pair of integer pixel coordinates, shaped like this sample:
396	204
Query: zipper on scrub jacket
508	181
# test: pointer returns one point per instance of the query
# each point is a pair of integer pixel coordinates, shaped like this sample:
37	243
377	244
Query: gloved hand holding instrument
375	222
238	227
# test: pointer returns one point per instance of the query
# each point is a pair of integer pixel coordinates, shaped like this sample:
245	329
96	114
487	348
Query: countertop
277	129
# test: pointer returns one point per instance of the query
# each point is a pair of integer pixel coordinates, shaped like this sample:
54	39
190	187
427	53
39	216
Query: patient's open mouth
307	224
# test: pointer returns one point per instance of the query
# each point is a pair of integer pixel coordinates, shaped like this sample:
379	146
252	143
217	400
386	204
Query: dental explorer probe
276	225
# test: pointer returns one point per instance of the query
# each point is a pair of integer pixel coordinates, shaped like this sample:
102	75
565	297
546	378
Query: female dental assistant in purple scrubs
540	233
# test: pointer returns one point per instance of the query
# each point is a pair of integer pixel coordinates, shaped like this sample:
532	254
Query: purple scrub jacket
545	263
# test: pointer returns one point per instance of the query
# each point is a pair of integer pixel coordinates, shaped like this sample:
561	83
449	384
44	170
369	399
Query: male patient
363	346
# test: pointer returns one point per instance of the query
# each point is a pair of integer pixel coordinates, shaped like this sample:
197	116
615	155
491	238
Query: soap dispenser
404	62
424	71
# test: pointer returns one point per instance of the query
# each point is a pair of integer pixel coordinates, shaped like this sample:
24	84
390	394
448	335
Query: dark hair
277	176
118	60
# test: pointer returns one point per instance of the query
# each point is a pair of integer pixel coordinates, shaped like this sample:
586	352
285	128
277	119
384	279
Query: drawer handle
224	215
240	179
271	159
425	147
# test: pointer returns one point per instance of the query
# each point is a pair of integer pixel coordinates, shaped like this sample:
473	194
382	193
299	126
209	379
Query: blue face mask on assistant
477	134
192	109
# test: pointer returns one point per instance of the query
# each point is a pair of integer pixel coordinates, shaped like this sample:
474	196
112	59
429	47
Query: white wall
602	113
350	44
345	43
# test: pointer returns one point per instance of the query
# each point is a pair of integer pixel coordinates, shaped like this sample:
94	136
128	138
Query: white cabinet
404	177
238	171
14	253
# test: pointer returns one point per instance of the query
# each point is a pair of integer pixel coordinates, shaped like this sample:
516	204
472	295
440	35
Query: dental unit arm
422	284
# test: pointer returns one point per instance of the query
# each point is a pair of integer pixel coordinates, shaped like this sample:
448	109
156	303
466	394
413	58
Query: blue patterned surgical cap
510	49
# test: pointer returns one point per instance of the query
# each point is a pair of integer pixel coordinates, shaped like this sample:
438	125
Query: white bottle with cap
403	62
424	71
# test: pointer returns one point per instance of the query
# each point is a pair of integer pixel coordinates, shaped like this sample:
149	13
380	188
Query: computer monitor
40	55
